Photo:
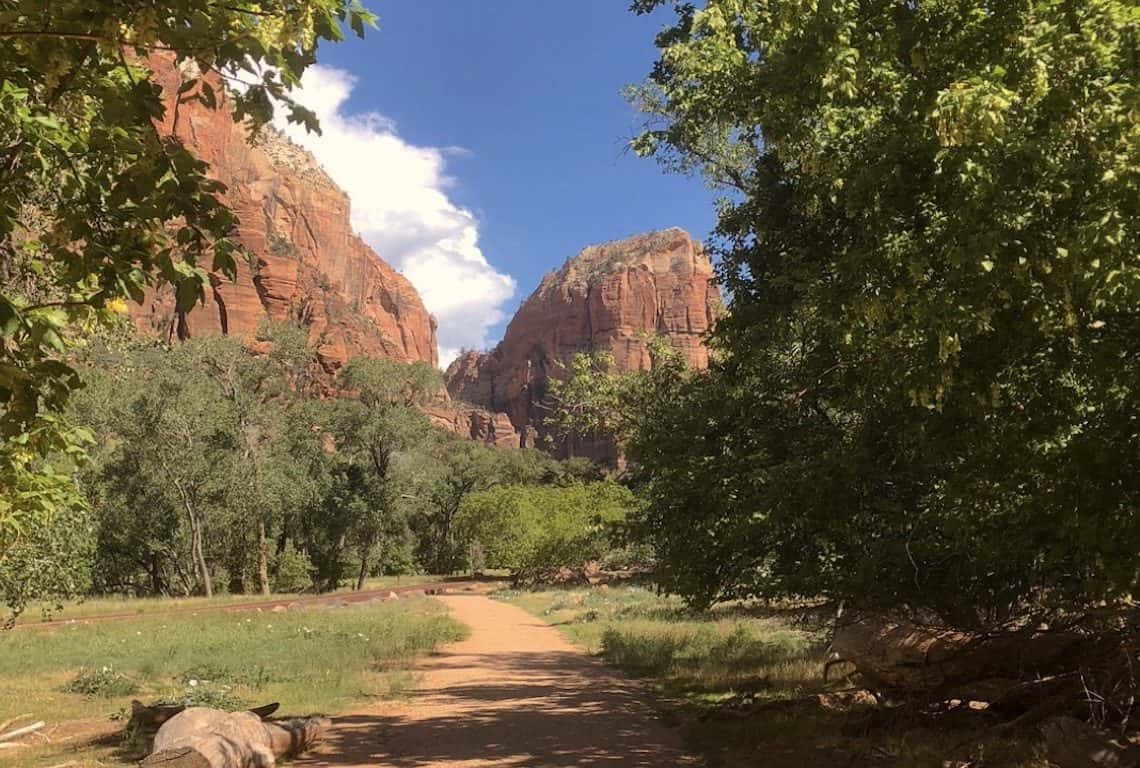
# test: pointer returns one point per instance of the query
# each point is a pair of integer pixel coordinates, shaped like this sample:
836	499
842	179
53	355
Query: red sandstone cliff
609	297
473	423
306	263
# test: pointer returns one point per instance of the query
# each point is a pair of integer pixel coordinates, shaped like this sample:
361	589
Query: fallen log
1072	743
1022	697
147	719
22	731
199	737
904	656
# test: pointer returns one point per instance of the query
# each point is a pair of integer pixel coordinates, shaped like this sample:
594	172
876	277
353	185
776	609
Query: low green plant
309	661
650	654
103	683
701	656
535	530
293	570
213	696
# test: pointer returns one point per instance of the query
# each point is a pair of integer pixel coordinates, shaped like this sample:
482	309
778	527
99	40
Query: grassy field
312	661
114	606
745	684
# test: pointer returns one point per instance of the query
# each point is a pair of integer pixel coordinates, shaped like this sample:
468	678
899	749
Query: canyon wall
306	264
612	297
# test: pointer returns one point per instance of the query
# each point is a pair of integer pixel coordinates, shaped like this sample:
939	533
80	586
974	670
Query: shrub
103	683
208	696
293	570
533	530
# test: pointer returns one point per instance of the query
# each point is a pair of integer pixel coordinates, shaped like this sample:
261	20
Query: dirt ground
515	694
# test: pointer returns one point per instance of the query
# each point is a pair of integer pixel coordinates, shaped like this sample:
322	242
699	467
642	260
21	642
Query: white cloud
401	208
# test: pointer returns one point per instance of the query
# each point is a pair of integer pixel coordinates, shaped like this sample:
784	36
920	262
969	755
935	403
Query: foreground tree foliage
928	383
98	204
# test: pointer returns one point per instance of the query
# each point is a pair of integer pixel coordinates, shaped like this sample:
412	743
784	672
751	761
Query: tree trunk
200	560
363	569
196	547
333	572
155	572
262	558
901	655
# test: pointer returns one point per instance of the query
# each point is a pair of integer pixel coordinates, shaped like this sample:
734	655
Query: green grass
700	658
741	680
142	606
311	661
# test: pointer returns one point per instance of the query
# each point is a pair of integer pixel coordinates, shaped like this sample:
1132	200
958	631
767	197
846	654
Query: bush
208	696
103	683
535	530
633	557
293	570
51	564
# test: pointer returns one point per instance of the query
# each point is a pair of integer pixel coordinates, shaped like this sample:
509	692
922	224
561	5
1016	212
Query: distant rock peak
611	297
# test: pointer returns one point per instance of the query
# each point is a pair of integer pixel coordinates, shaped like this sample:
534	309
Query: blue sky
483	141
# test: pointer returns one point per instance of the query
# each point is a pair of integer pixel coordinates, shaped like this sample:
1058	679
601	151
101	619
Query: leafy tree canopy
928	386
98	204
533	530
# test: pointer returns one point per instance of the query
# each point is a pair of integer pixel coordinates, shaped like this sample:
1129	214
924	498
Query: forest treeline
215	468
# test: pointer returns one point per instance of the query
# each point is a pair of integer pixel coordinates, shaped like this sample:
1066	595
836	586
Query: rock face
306	263
474	423
610	297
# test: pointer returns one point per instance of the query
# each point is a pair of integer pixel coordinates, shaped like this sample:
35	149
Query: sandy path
515	693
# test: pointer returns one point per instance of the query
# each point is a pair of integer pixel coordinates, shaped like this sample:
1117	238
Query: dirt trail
515	694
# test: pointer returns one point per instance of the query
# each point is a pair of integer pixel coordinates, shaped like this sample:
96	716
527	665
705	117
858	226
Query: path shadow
556	709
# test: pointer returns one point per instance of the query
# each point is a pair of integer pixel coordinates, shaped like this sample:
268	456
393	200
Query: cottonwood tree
596	400
98	204
369	429
928	390
176	442
535	530
256	389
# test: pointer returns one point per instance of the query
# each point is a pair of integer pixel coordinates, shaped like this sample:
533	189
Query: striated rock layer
473	422
306	262
611	297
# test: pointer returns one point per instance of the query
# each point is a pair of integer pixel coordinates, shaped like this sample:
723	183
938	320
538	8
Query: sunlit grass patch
741	681
702	656
143	606
311	660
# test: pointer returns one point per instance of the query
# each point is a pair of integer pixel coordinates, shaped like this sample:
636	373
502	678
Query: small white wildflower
193	683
